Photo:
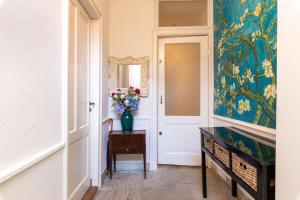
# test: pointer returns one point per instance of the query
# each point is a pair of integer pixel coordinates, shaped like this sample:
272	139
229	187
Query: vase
127	121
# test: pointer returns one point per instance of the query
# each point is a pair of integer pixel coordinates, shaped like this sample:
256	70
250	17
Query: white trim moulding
30	162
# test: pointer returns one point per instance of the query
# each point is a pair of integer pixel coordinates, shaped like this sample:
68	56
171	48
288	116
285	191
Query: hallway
167	183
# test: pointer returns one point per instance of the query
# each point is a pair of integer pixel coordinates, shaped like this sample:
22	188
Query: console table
133	142
247	159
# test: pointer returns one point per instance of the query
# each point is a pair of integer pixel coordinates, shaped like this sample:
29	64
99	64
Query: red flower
113	94
137	90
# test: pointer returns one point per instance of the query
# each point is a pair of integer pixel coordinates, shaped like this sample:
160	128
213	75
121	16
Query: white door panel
183	99
79	79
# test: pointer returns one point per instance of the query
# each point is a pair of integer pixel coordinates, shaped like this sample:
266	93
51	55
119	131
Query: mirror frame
113	73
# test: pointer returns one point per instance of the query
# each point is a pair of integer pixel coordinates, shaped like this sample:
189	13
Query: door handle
161	99
160	133
92	105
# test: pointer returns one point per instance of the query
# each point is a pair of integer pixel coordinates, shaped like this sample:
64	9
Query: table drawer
222	154
127	150
208	143
245	171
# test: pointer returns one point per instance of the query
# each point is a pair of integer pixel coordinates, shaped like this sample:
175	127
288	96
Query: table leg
204	186
115	165
110	162
144	157
234	188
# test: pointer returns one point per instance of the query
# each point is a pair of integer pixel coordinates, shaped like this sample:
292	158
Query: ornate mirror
129	71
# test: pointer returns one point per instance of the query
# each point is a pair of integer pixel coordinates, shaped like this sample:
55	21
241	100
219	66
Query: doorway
183	98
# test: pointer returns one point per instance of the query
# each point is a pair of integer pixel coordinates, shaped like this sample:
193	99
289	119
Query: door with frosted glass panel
183	99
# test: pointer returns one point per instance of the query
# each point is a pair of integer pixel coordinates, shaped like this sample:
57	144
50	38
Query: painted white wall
31	66
41	181
288	107
104	8
131	25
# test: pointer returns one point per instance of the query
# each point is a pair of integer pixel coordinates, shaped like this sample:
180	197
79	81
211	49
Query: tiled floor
168	183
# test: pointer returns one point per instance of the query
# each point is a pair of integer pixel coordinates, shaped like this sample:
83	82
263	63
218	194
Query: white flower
235	69
244	106
122	96
126	102
249	76
267	65
223	81
232	88
258	9
242	80
255	35
270	91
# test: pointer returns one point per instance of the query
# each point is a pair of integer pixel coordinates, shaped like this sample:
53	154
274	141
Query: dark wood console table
248	160
126	143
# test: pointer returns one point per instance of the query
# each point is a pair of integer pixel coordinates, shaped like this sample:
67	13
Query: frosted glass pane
183	13
182	79
82	72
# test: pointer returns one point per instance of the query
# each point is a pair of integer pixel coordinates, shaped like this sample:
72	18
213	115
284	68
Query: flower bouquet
124	103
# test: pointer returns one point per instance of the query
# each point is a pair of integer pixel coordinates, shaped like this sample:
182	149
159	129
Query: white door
78	102
183	99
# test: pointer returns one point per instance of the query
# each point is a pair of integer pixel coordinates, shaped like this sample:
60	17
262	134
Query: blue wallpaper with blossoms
245	57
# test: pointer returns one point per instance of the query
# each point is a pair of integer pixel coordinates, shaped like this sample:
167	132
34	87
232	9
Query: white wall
31	66
288	107
104	6
131	25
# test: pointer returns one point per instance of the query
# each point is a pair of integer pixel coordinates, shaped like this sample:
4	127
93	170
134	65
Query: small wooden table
133	142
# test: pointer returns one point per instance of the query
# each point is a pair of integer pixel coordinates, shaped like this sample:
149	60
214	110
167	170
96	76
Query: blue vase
127	121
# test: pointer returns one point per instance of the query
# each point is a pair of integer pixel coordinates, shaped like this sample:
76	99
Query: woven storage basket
208	143
222	154
245	171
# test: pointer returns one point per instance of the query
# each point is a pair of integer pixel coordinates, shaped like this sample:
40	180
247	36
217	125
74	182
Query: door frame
96	65
171	32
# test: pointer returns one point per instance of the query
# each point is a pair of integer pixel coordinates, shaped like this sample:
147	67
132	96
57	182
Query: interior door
183	99
78	102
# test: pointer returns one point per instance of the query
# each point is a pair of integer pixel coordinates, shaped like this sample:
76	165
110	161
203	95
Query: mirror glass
129	75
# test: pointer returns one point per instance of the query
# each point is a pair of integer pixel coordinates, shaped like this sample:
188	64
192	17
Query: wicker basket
222	154
245	171
208	143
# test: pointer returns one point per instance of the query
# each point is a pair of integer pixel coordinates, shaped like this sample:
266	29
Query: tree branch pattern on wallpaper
245	58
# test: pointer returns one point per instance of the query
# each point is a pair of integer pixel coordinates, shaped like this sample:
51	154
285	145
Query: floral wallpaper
245	57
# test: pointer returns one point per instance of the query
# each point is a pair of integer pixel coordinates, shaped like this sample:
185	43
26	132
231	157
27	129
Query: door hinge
91	182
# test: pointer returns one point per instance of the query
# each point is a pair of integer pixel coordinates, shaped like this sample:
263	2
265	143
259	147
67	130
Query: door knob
160	133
